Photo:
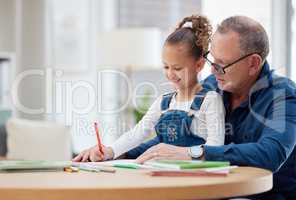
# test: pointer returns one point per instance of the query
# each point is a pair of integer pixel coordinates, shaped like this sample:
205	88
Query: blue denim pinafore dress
173	126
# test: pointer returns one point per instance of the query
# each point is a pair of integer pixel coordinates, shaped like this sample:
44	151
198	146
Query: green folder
127	165
18	165
183	164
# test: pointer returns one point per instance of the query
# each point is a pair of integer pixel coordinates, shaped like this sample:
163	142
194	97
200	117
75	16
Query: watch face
196	151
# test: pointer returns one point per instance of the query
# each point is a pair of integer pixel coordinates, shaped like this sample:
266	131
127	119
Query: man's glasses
221	69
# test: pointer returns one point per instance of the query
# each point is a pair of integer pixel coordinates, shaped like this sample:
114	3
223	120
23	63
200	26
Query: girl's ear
199	64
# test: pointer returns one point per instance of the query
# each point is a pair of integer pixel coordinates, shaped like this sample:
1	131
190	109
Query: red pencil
98	138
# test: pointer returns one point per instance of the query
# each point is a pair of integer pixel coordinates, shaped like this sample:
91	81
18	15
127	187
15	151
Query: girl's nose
170	74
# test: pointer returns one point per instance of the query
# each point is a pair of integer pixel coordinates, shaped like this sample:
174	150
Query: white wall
25	29
7	28
108	91
102	17
7	48
279	36
31	55
219	10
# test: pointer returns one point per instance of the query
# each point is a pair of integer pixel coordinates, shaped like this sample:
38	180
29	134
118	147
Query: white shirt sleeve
140	132
214	113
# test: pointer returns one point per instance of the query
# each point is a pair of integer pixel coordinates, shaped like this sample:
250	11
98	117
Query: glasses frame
221	69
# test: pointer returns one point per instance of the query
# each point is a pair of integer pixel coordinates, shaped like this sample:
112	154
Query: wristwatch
196	151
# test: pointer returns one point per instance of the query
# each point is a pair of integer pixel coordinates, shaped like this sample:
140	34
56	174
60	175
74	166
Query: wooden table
130	184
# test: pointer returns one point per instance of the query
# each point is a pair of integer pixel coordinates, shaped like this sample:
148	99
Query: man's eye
178	69
165	67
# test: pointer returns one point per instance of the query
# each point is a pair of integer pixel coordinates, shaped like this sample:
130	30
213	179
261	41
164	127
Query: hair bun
201	27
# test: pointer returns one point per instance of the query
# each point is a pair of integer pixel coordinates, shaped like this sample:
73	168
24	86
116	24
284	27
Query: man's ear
255	62
199	64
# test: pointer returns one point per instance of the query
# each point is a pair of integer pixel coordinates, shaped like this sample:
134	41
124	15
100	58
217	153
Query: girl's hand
93	154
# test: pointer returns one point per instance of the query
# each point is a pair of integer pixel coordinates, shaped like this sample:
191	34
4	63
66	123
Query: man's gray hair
253	37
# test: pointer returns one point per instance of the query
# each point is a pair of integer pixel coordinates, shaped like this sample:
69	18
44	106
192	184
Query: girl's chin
177	86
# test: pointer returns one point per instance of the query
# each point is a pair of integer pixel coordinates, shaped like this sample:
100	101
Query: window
150	13
70	23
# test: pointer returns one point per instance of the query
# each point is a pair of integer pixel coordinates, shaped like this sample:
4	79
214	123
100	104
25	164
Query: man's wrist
202	157
196	152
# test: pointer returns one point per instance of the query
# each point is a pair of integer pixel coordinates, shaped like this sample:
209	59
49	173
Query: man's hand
164	151
93	154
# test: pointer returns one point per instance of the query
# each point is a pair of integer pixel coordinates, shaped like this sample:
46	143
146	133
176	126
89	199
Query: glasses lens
218	68
209	59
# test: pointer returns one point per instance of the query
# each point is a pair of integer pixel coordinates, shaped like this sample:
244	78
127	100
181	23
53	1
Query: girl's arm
214	119
139	133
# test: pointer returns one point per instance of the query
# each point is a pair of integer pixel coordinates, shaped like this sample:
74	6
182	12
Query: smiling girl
189	116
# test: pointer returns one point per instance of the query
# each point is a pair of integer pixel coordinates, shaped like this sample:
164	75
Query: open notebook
161	165
123	163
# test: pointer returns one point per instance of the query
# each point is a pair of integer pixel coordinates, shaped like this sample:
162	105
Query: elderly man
260	109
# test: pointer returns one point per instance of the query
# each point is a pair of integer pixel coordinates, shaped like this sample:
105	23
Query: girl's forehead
176	50
177	47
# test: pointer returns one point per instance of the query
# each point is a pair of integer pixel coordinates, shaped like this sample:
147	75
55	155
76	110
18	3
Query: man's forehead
229	37
226	43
